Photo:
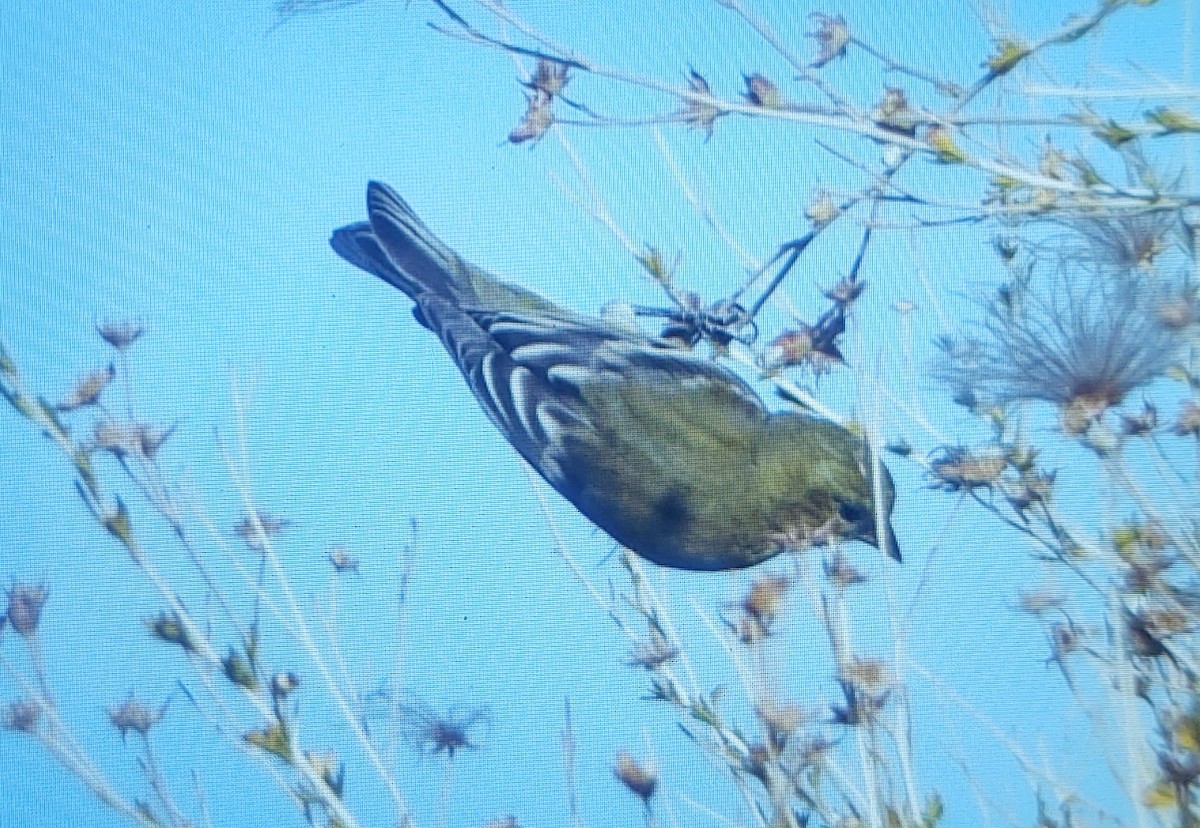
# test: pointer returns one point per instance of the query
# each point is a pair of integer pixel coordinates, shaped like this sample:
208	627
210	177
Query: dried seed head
1188	421
833	35
120	335
894	113
1031	487
1076	333
765	597
1080	413
120	439
167	626
537	120
136	716
839	570
549	78
870	675
326	765
699	114
781	720
958	468
25	602
88	390
653	653
1142	638
821	208
247	528
638	778
761	91
1126	240
792	347
430	732
846	291
283	684
1143	422
1065	638
342	560
22	717
151	438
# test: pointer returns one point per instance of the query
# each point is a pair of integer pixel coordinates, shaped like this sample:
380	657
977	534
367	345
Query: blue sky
183	165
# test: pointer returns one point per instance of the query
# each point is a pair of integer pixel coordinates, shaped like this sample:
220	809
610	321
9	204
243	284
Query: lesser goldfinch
674	456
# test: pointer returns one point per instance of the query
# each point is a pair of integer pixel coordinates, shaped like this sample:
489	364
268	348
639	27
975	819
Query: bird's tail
397	247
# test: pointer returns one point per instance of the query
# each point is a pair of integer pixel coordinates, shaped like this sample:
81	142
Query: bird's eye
854	513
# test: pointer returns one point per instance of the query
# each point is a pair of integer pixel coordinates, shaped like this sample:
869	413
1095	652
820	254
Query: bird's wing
533	375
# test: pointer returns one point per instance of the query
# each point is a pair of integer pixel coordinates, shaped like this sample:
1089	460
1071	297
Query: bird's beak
887	543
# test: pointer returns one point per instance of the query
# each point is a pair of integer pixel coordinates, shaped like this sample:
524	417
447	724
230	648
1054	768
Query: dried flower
22	717
699	114
168	627
833	34
1065	638
813	345
1083	342
765	597
1125	240
894	113
118	438
1141	423
839	570
792	347
641	779
1141	638
120	335
342	560
866	685
1188	420
846	291
821	208
151	438
431	733
781	720
549	77
327	766
283	684
958	468
88	390
136	716
25	602
248	529
761	91
759	607
1031	487
537	120
655	652
239	670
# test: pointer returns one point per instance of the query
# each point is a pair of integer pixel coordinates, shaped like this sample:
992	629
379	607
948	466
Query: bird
673	455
